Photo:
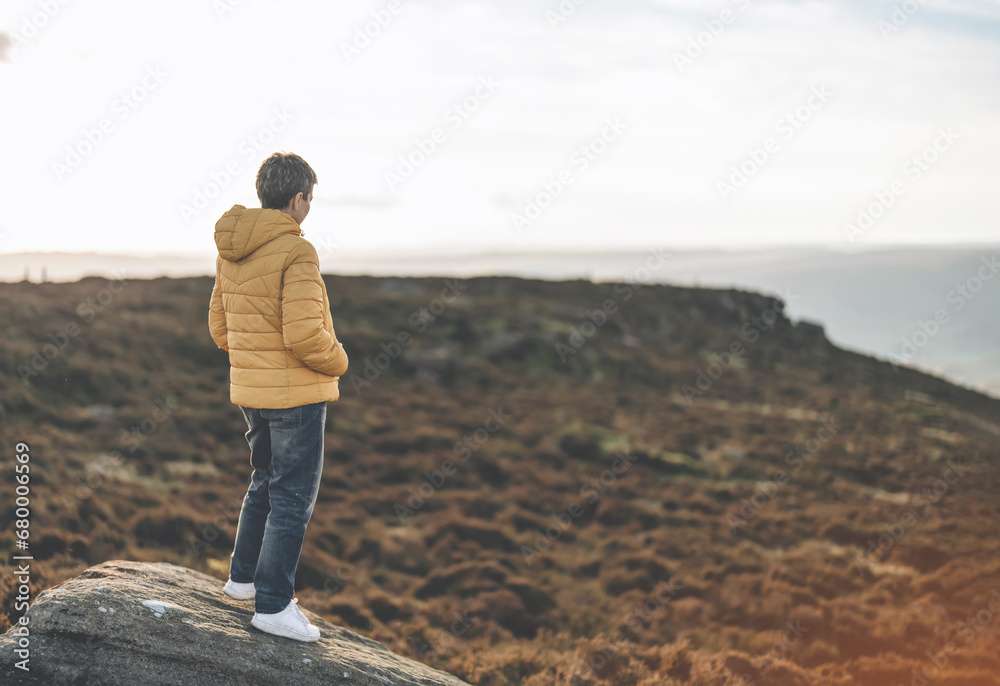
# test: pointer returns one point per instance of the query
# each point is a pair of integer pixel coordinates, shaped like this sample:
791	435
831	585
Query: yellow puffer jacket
271	311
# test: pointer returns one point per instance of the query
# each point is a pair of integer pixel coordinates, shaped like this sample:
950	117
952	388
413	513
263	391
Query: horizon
448	250
71	266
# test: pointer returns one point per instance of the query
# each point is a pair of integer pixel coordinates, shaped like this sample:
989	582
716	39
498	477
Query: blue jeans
286	452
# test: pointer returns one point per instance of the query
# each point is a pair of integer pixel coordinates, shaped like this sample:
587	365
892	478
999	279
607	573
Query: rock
811	330
151	624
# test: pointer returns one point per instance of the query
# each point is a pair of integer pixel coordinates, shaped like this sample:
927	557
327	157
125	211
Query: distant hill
871	301
547	482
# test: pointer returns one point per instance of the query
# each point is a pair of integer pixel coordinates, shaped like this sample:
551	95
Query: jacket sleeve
302	304
217	314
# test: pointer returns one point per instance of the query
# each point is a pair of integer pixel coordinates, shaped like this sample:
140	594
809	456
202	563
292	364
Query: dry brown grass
451	584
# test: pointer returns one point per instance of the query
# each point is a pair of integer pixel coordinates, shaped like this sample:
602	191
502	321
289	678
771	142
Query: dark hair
281	177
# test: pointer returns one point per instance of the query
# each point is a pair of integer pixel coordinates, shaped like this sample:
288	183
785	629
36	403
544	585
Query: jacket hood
241	231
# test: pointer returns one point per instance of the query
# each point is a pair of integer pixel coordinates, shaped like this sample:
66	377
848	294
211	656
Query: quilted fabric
271	311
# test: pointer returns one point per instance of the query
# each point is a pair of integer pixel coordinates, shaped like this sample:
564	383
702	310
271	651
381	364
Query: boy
271	312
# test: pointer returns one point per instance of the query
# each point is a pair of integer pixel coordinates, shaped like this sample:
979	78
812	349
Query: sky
503	124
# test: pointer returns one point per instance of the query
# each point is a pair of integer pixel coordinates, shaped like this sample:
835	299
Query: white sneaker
290	623
239	591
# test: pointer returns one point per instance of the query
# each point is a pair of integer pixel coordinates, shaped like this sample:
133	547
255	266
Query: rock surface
141	623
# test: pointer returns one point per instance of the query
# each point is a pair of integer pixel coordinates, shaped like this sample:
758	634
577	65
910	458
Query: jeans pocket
290	418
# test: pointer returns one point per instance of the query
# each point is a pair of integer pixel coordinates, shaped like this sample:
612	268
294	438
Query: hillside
872	301
515	503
